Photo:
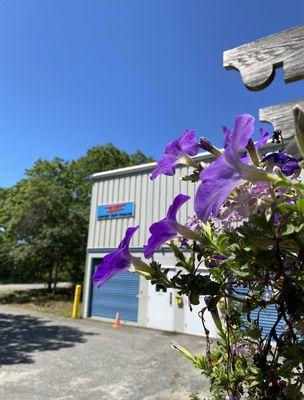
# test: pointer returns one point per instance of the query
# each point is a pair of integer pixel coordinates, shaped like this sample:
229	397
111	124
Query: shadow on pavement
21	335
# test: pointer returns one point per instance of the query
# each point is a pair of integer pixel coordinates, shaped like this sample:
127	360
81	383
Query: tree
44	217
99	159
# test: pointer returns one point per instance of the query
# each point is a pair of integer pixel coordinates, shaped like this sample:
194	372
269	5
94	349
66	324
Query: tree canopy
44	217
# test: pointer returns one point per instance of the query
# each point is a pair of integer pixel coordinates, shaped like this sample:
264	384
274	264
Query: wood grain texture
281	117
257	60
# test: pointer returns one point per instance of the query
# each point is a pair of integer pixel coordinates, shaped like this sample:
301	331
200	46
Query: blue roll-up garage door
267	317
119	294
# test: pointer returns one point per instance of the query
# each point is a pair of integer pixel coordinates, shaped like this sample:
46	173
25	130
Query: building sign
116	210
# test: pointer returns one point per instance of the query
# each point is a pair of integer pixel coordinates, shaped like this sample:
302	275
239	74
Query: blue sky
137	73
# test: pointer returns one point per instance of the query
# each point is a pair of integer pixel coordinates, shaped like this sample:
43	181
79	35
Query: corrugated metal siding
119	294
152	199
267	317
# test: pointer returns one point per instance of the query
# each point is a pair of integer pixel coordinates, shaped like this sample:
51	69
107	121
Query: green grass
59	304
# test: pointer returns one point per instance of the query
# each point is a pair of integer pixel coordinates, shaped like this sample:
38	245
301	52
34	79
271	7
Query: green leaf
300	205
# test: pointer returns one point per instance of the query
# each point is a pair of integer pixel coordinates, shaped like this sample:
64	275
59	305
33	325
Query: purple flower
287	164
228	171
208	300
221	178
193	223
227	136
175	151
242	348
215	261
264	136
168	228
115	262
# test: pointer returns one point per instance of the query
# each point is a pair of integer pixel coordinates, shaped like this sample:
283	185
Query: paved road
47	358
29	286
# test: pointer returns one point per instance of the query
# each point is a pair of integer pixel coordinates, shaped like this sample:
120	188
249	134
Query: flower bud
182	350
208	299
253	153
208	146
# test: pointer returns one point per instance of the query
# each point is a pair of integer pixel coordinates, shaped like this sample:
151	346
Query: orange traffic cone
117	323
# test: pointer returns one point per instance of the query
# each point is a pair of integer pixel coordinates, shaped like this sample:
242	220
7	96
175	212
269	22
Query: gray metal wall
152	199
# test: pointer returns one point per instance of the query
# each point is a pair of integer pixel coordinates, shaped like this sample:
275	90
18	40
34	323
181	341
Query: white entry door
160	310
193	323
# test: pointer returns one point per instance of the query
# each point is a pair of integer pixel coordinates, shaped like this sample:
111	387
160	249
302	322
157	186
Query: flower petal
111	265
264	136
188	143
223	175
116	261
227	136
174	148
165	229
218	181
161	232
243	130
287	163
128	236
178	201
166	166
185	145
290	167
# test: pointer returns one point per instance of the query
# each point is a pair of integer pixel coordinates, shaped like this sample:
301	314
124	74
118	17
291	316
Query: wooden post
281	117
256	62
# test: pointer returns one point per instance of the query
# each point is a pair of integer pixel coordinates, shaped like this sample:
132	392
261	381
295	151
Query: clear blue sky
79	73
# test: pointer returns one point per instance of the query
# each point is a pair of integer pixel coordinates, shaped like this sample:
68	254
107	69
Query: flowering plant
248	231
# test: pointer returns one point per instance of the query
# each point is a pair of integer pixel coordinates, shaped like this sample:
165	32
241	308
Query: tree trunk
50	280
55	280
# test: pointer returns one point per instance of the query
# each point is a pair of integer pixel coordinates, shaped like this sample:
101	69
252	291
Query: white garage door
160	312
193	323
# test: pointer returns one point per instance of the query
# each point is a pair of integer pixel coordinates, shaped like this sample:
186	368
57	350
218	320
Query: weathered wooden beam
281	117
257	60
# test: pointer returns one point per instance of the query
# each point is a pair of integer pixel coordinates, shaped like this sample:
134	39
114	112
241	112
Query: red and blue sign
116	210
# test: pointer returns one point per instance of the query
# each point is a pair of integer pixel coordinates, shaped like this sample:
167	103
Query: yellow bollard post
76	301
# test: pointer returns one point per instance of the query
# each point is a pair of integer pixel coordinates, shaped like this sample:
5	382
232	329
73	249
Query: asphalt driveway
47	358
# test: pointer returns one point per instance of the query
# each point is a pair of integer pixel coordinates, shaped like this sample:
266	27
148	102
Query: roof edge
149	166
142	167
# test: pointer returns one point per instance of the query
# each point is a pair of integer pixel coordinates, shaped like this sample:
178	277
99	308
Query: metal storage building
136	299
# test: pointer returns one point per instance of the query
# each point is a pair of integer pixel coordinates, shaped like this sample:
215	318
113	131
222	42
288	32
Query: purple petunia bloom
287	164
164	229
168	228
230	170
221	178
115	262
175	151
